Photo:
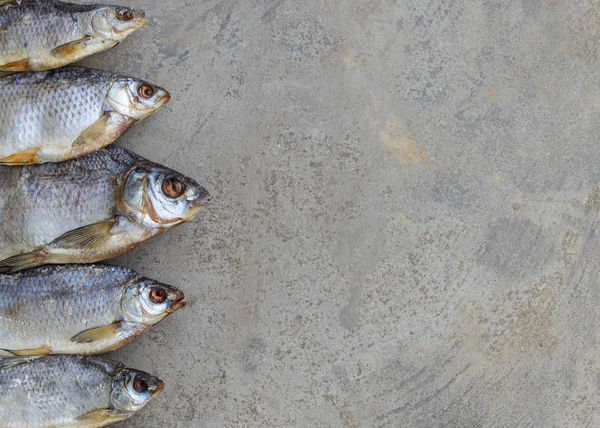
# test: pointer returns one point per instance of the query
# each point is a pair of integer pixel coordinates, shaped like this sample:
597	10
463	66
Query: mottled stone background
405	225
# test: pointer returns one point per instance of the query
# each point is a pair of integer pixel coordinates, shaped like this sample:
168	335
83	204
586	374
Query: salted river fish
45	34
56	115
79	309
89	209
71	391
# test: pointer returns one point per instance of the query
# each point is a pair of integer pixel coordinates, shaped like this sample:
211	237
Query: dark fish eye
146	91
158	295
140	385
124	15
173	188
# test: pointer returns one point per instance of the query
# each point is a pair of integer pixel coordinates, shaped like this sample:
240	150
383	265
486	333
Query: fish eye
173	188
140	385
124	15
158	295
146	90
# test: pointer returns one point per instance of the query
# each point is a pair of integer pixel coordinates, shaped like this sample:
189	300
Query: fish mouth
178	302
165	98
159	388
203	198
162	99
139	21
142	21
142	16
160	102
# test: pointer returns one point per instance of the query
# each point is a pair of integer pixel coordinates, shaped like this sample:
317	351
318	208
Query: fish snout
177	300
203	197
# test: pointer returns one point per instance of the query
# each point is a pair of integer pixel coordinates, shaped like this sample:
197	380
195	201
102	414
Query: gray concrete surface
405	231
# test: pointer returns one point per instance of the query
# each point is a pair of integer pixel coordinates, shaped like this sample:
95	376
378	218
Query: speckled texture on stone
405	225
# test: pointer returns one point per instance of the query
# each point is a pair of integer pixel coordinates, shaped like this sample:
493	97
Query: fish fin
102	416
90	236
6	354
20	65
3	2
24	261
83	238
43	350
101	133
17	361
71	49
94	131
25	157
98	333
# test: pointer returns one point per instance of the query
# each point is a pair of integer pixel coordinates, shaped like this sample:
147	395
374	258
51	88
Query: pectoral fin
25	157
93	132
71	49
101	417
86	237
96	334
101	133
82	47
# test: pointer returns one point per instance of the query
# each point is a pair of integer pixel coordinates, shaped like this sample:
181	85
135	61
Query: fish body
61	114
79	309
89	209
71	391
45	34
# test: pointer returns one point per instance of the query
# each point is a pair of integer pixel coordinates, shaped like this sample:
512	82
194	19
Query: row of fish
73	391
69	199
76	310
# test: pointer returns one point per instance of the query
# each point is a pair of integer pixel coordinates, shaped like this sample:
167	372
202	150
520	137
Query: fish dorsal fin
16	361
97	334
102	417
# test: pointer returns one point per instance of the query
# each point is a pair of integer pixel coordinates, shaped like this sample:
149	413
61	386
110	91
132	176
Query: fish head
117	22
158	197
147	301
135	98
133	389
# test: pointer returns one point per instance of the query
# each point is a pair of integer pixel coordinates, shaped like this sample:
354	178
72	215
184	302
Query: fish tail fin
24	261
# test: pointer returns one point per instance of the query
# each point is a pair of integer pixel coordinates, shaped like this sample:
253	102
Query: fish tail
24	261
